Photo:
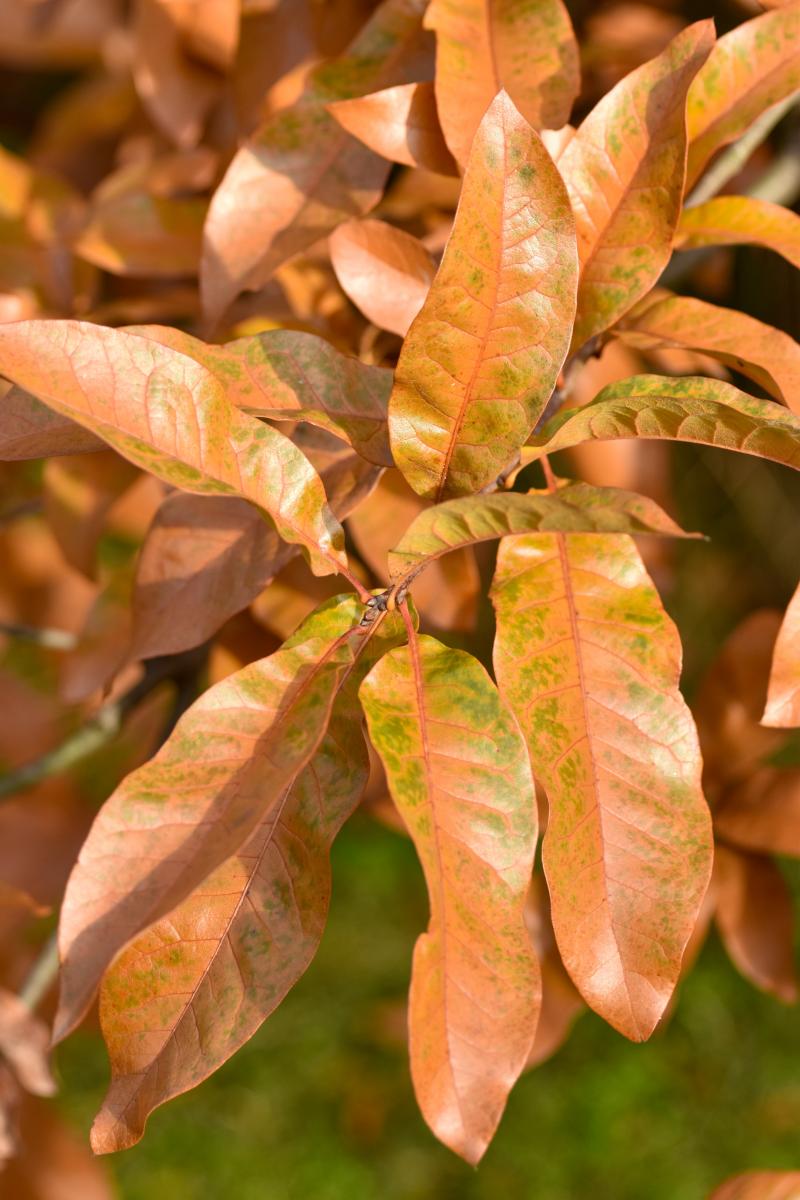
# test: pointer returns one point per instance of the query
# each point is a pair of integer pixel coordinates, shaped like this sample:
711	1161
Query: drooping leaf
741	221
180	816
624	171
760	1185
385	271
170	415
187	993
561	1002
762	812
783	695
575	507
290	375
751	68
29	429
399	123
755	920
483	47
482	358
589	662
766	355
459	774
690	409
301	174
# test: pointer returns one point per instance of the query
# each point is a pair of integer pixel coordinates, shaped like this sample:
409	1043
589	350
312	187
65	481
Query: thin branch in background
731	161
42	974
51	639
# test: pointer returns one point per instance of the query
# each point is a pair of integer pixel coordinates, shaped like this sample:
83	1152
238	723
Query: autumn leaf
386	272
78	493
181	815
624	171
482	358
459	774
178	91
301	174
760	1185
168	414
29	429
740	221
400	123
187	993
762	812
589	663
755	920
575	507
483	47
691	409
783	695
768	356
751	68
25	1045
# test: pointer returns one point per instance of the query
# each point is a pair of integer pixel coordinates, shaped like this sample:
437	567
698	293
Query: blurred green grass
319	1104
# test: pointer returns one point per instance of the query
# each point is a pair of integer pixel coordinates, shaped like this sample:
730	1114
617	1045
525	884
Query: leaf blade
740	221
385	272
782	709
399	123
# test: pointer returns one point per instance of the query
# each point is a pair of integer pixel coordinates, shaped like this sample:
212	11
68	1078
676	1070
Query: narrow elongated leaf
459	773
690	409
301	174
762	812
783	695
399	123
751	68
385	271
760	1185
763	353
625	170
180	816
576	507
170	415
29	429
486	46
286	374
482	358
187	993
755	920
741	221
589	662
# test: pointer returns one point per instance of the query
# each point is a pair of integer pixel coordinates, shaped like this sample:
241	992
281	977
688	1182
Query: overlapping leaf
625	170
29	429
170	415
385	271
180	816
741	221
459	773
589	662
751	68
486	46
482	358
400	123
302	174
576	507
762	812
766	355
189	991
783	695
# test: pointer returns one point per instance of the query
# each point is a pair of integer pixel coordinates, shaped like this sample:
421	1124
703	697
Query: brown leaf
386	272
53	1163
29	429
741	221
399	123
783	697
487	46
763	812
25	1045
78	493
589	662
624	171
755	920
177	92
482	358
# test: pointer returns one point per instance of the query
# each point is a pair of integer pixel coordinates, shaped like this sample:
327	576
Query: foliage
304	547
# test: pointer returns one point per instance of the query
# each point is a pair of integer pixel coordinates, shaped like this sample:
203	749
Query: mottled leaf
168	414
755	920
180	816
187	993
741	221
482	358
525	47
576	507
751	68
589	663
624	170
783	695
459	774
399	123
766	355
301	174
386	272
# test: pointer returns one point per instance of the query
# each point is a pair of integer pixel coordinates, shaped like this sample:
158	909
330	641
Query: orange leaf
482	358
760	1185
624	171
589	662
459	774
762	812
177	91
783	696
386	272
25	1045
741	221
399	123
487	46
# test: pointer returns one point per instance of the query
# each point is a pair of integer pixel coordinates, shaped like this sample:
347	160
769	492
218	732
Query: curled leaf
399	123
